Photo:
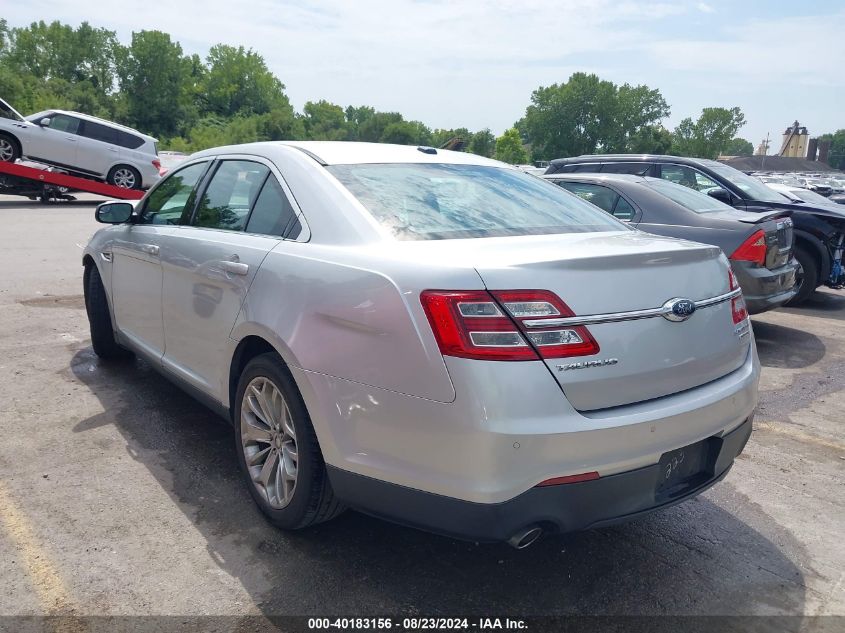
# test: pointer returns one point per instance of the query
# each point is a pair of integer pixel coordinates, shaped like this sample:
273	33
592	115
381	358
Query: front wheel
278	450
99	317
125	177
807	277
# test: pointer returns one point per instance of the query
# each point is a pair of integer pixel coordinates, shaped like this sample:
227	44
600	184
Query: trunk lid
610	273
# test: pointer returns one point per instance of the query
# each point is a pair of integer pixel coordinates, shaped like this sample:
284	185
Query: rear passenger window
99	132
590	168
233	189
272	212
623	209
602	197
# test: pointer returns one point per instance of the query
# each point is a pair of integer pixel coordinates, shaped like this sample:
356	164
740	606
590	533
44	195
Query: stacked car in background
818	228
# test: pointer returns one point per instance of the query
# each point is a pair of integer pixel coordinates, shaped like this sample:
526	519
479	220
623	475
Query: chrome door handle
70	138
235	268
150	249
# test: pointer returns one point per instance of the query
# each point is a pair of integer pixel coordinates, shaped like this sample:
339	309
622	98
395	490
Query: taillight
492	325
738	310
157	165
752	250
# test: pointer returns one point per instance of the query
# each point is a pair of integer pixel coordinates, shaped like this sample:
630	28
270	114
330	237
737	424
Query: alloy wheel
268	439
124	177
7	150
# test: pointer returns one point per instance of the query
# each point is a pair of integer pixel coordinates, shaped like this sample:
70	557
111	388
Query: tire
310	499
124	176
99	318
10	149
807	276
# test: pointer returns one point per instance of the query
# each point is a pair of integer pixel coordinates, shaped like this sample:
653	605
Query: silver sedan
428	336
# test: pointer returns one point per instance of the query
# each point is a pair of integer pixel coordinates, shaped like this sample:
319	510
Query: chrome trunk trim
633	315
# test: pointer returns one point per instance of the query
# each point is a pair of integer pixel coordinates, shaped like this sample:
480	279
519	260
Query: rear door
98	148
209	263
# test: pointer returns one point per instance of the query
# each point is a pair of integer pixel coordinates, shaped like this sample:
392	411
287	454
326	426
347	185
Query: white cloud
704	7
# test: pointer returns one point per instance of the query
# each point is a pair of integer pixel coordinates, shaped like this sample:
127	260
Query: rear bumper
562	508
766	289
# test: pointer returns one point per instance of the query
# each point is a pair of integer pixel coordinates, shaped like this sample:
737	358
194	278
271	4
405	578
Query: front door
56	143
136	260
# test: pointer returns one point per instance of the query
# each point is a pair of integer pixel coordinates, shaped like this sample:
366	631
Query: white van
82	145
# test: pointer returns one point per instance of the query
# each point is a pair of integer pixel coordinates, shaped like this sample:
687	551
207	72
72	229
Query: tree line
230	96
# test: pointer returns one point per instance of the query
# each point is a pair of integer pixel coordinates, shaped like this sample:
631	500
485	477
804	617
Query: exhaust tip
526	537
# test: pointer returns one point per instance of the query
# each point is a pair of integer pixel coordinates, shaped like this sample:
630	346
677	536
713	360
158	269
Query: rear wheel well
812	250
247	349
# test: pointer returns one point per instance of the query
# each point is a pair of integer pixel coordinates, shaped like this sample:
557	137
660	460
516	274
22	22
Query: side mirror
722	195
45	122
114	212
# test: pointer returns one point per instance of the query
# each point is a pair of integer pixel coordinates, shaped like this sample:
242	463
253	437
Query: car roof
631	158
597	176
353	152
88	117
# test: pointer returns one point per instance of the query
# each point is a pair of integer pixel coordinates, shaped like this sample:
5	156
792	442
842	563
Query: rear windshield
444	201
686	197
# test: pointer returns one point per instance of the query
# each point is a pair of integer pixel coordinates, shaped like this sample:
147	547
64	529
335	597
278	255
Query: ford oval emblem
678	309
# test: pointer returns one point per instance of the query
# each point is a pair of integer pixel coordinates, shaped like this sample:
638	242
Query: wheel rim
124	178
7	151
799	277
268	439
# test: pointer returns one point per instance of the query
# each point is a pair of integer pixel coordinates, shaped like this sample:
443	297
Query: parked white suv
81	144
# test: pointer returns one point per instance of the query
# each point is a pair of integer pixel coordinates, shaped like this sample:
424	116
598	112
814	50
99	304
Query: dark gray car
759	245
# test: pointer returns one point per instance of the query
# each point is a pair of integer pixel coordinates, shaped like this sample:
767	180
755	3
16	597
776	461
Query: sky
475	63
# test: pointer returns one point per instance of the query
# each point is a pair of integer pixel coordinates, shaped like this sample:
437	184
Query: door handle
70	138
235	268
150	249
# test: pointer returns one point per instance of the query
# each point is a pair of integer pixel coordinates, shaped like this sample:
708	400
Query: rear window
686	197
443	201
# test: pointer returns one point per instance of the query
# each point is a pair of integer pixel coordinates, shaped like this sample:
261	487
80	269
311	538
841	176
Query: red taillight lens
738	310
752	250
491	325
157	165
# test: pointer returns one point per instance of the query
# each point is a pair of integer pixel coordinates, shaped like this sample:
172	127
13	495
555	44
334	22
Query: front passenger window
168	200
64	123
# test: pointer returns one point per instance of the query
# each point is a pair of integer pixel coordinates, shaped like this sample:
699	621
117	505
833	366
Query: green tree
406	133
154	82
650	139
587	114
238	82
738	147
355	118
509	148
483	143
324	121
836	155
373	128
709	136
440	137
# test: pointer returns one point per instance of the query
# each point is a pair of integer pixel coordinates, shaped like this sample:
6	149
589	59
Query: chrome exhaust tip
525	537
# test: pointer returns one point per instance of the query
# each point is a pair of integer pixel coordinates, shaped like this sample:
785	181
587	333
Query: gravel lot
119	495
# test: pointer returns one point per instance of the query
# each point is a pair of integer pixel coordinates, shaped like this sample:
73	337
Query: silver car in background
430	337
